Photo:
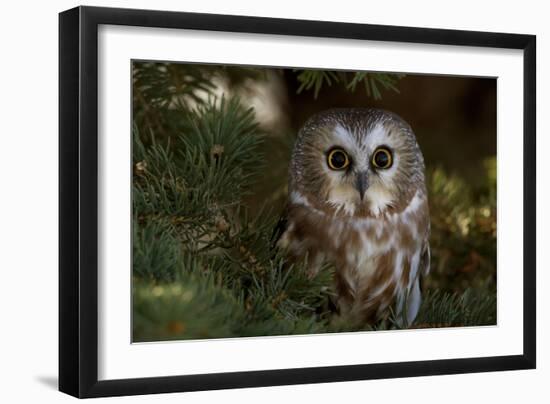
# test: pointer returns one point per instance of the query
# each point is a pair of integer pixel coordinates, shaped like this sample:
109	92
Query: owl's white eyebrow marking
344	136
377	135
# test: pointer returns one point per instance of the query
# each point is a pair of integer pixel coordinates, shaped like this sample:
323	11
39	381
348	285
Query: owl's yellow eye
337	159
382	158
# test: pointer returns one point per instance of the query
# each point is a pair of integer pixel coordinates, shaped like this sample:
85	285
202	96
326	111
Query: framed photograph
253	201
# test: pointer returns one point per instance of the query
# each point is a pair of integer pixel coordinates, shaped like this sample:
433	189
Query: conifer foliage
203	263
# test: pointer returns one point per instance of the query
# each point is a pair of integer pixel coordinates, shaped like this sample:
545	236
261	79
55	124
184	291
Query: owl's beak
362	183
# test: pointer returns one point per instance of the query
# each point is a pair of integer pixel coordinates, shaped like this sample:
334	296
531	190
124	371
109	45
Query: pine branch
210	165
162	91
317	79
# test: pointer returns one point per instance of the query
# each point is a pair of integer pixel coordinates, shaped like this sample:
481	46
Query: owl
357	199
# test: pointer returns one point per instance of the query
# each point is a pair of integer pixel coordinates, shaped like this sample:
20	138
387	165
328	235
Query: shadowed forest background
211	147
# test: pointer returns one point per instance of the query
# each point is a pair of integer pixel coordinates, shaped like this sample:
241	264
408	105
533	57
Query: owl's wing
409	303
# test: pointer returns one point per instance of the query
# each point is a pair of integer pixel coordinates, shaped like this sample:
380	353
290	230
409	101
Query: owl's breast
368	250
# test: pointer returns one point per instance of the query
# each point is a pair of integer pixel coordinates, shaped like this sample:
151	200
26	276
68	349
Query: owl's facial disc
367	182
356	162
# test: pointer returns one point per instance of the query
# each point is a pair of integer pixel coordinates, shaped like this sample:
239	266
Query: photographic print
273	201
282	202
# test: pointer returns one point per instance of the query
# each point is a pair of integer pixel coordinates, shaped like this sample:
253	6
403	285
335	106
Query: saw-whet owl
357	199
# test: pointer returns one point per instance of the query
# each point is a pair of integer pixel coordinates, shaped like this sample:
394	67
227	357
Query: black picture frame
78	200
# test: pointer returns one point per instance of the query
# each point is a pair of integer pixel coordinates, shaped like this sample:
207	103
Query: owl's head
356	162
